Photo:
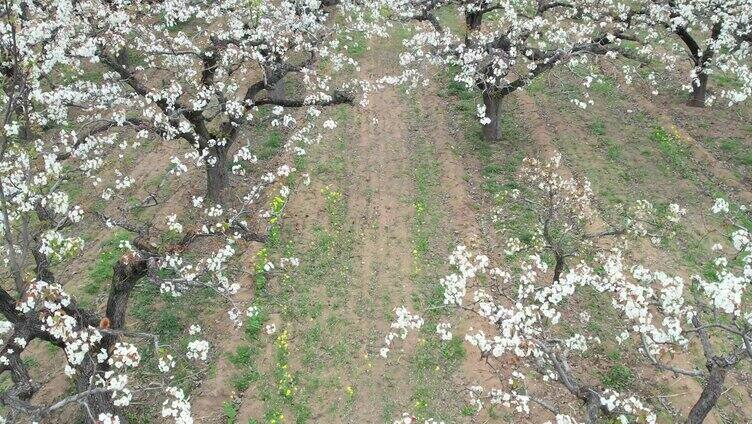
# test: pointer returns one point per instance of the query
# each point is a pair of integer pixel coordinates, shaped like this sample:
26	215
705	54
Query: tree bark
492	130
710	393
593	407
128	270
473	20
217	175
99	403
126	273
279	91
25	386
43	265
699	90
559	267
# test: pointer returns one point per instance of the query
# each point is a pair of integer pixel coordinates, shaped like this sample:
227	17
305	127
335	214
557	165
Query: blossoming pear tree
563	215
205	72
669	315
520	40
84	85
524	338
530	328
37	227
523	40
715	35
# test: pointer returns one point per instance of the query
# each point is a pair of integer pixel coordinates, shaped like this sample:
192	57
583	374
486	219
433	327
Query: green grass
737	150
244	360
604	86
614	151
243	356
433	361
101	274
298	297
674	152
618	377
355	46
230	411
169	324
271	144
253	326
597	127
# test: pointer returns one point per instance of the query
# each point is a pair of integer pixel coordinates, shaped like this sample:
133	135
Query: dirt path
380	188
352	229
465	204
458	187
365	251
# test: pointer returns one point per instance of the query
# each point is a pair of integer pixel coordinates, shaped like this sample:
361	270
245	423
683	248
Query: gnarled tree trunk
710	393
279	91
98	403
128	270
473	20
217	175
492	130
593	406
43	264
126	273
699	90
559	267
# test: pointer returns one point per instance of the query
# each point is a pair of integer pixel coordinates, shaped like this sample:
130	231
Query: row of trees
534	327
502	48
505	45
87	84
537	333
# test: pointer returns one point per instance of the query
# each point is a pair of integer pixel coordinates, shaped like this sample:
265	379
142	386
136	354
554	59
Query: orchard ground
394	188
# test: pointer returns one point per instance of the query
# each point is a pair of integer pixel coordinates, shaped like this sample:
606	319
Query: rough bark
43	264
99	403
278	92
592	405
710	393
8	307
473	21
126	273
701	60
559	267
23	389
699	90
217	175
492	130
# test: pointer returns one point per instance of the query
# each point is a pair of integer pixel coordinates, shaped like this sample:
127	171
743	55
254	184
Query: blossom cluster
405	322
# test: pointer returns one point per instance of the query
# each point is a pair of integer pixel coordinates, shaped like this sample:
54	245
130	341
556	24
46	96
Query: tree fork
127	271
473	20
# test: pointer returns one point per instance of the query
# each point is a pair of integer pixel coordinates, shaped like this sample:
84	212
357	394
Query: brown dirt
383	226
460	178
213	391
541	130
664	110
380	217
